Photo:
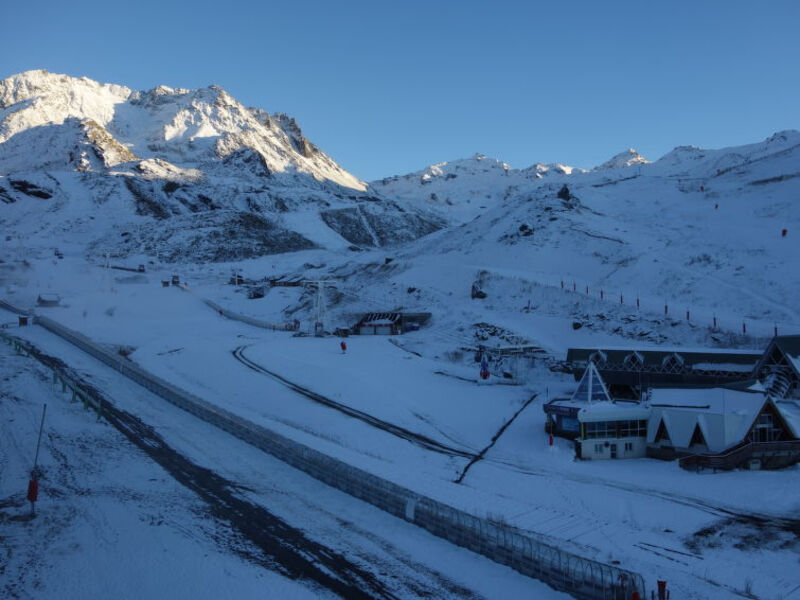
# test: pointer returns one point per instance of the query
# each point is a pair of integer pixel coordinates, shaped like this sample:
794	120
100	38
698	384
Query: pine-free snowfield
649	515
183	510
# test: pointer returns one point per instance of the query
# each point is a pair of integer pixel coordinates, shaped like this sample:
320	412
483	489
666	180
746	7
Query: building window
600	429
698	439
631	429
673	363
765	429
662	434
615	429
633	362
628	446
598	448
599	358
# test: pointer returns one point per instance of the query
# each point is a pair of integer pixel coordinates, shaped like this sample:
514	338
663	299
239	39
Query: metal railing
249	320
583	578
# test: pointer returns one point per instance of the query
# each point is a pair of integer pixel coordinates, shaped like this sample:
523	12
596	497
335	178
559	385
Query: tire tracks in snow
784	522
494	439
410	436
273	543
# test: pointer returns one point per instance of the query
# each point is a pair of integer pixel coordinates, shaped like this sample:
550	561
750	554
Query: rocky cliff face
180	159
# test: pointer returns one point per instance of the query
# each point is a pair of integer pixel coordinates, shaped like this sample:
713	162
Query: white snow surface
189	128
643	513
112	523
631	255
183	175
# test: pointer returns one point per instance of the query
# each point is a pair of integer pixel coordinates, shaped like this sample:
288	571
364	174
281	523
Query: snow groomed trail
369	557
585	578
410	436
284	548
777	522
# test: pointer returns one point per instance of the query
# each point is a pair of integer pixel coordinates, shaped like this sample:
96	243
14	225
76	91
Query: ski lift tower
319	303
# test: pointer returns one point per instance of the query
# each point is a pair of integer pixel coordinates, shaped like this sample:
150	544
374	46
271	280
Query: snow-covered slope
185	127
194	176
624	159
460	190
698	230
183	160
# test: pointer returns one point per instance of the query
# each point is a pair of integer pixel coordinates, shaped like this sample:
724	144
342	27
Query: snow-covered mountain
624	159
196	164
194	176
698	230
116	125
460	190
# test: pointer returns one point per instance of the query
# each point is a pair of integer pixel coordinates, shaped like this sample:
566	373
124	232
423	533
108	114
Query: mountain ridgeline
186	175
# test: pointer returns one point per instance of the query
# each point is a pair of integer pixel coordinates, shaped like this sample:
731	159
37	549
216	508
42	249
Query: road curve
418	439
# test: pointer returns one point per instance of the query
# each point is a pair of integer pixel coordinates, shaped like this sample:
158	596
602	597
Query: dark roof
651	368
386	316
561	406
419	317
657	357
788	344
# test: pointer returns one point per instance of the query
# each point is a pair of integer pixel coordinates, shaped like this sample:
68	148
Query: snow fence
580	577
249	320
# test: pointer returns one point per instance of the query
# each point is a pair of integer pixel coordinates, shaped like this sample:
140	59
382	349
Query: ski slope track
410	436
380	566
282	547
506	546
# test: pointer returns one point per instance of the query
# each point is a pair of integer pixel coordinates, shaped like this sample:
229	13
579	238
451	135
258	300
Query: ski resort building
753	424
630	372
48	300
601	427
390	323
718	422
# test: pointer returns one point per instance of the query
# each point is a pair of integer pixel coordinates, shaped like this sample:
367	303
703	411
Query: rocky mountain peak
187	128
624	159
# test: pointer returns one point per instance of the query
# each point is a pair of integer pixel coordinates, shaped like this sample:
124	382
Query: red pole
687	315
665	309
601	294
33	484
574	287
637	301
784	232
587	290
715	321
562	284
744	328
662	590
776	330
620	299
33	491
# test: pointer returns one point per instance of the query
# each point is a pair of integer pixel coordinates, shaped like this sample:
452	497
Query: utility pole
33	484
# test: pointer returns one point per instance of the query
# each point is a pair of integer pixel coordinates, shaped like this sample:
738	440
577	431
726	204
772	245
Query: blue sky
390	87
